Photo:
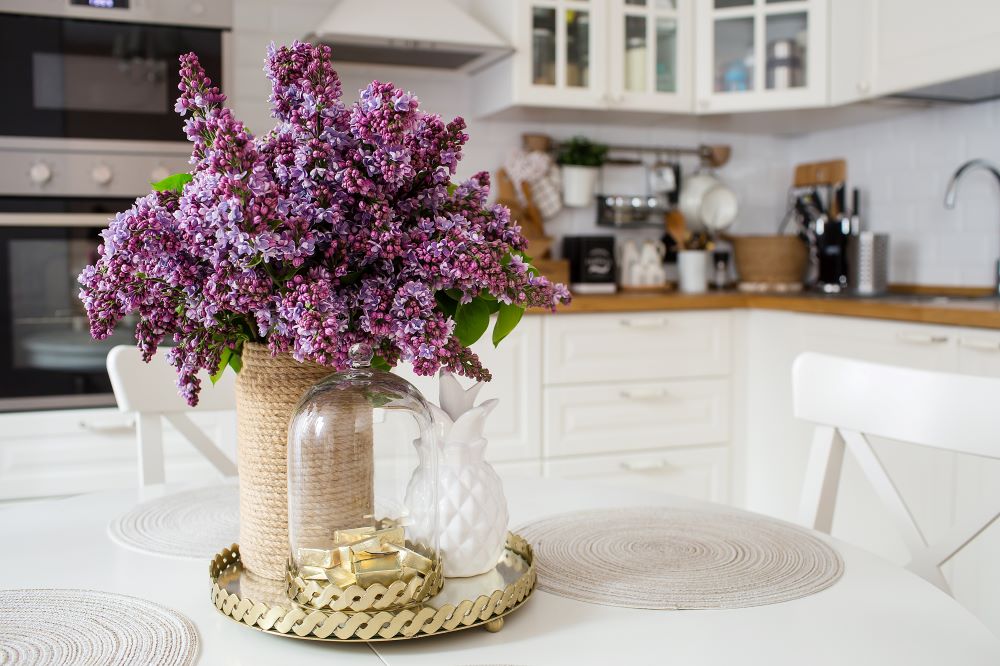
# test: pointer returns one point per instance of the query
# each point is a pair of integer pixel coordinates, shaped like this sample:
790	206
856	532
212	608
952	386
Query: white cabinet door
975	576
923	42
636	346
47	454
758	55
514	427
701	473
560	53
650	55
632	417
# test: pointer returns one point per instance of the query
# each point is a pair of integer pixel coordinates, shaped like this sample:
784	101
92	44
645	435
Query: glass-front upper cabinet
649	63
562	52
755	55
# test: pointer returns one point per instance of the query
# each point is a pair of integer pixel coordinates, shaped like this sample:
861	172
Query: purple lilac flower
338	226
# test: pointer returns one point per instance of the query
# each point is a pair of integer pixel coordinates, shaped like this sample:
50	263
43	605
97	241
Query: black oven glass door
47	356
96	79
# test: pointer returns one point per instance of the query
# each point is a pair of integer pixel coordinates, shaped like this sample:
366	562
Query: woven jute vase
267	390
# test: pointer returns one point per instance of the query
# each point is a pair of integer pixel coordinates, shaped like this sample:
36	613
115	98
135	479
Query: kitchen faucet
952	194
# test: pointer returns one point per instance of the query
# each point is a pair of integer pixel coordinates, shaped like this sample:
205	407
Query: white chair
849	399
149	391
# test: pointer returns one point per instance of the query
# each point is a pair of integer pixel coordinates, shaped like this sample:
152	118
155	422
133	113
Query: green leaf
447	304
235	362
224	361
508	317
471	321
174	183
455	294
379	363
494	306
451	188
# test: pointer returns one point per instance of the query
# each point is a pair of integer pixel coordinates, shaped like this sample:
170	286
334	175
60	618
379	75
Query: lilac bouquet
341	225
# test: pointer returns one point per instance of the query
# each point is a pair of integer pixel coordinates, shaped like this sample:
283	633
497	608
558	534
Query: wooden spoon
676	227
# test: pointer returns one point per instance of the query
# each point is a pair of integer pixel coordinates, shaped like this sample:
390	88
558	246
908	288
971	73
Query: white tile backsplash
901	164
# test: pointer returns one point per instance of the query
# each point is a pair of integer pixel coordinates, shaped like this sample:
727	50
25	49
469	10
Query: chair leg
149	432
819	494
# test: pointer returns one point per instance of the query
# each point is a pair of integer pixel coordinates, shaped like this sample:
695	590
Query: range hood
427	33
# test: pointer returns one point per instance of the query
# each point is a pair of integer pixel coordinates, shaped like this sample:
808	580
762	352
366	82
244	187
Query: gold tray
463	603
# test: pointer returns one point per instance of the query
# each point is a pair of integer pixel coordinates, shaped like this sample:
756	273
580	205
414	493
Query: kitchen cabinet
918	43
514	428
700	472
46	454
559	59
631	346
650	46
626	55
635	416
757	55
939	486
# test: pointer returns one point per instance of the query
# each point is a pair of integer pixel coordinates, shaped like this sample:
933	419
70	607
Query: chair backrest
152	387
849	399
149	391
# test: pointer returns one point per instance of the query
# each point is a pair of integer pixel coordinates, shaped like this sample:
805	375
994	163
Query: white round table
877	613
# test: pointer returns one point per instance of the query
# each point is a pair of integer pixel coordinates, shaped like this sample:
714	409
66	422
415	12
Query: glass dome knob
360	355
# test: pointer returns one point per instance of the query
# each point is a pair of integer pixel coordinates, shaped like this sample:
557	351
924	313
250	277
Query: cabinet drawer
76	451
620	417
701	473
635	346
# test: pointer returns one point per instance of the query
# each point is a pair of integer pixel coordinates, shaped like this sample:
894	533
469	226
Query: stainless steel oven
86	124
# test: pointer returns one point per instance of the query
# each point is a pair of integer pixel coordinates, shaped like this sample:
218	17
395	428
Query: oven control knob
40	173
101	174
159	173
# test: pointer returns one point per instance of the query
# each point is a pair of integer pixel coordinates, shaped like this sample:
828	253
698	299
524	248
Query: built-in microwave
102	69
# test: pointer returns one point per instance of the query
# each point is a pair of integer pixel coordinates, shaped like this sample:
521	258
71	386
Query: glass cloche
362	493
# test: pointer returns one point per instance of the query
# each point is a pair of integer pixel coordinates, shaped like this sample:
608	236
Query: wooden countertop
960	311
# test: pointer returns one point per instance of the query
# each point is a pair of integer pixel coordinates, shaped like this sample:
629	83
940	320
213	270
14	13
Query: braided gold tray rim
401	624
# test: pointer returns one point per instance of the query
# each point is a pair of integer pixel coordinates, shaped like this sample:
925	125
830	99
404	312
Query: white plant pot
692	270
579	184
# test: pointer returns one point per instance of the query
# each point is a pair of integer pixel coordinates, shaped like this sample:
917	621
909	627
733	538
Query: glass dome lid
362	493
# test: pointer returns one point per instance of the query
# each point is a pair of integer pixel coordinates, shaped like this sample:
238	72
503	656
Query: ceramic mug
692	269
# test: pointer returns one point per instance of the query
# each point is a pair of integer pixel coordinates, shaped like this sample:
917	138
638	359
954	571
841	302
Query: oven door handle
55	219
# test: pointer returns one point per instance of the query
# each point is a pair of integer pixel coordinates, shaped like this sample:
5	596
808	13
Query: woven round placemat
666	558
50	627
192	524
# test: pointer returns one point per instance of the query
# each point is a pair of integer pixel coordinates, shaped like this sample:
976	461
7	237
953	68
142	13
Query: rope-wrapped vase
267	390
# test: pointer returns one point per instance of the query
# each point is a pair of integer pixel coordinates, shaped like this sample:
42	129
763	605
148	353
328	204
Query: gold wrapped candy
364	556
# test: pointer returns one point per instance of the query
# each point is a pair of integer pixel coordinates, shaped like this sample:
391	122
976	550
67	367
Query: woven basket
770	259
267	390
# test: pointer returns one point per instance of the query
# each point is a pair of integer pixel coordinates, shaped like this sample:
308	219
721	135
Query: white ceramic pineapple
472	506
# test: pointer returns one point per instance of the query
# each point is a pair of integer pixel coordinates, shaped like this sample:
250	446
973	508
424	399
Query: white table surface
877	613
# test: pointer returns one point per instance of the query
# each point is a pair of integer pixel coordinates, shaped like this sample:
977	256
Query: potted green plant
581	160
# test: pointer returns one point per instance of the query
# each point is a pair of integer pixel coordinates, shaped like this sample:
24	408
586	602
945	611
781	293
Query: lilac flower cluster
340	225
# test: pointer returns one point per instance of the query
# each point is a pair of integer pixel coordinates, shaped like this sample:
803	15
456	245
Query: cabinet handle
643	324
980	344
643	465
922	338
650	394
108	427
